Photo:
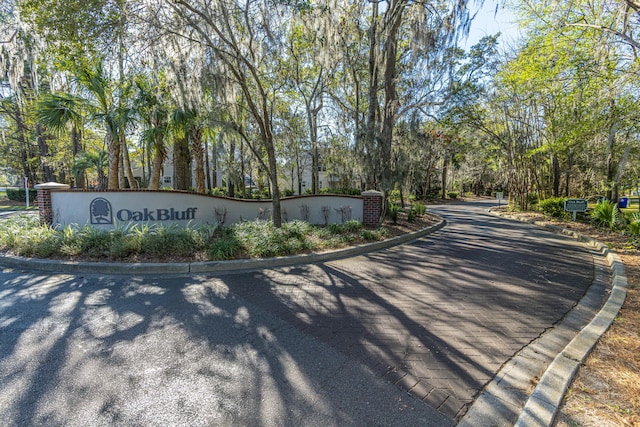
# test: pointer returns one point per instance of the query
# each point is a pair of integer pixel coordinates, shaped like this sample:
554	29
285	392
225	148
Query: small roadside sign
499	196
575	206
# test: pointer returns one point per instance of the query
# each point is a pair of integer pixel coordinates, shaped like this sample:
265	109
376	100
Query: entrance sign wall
109	209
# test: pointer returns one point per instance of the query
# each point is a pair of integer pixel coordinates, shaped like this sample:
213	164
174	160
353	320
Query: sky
487	22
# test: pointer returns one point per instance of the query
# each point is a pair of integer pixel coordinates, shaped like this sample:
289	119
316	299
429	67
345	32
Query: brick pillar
371	208
45	207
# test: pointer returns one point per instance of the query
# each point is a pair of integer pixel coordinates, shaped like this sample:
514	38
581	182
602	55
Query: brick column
371	208
45	208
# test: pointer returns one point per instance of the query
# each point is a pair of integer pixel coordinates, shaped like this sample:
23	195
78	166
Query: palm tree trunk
76	142
181	163
198	157
114	162
126	161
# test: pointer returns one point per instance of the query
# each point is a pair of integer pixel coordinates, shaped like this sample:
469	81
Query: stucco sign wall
109	209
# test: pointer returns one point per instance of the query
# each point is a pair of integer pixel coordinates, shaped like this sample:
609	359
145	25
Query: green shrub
125	246
411	215
553	207
348	191
452	195
261	239
368	235
420	208
94	242
434	193
217	191
297	229
606	214
352	226
394	210
171	240
42	241
383	232
394	196
533	199
23	235
19	195
225	246
634	227
14	230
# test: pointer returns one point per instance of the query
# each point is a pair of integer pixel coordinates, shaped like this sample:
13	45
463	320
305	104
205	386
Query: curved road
406	336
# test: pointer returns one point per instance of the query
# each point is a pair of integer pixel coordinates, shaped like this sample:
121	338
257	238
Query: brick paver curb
542	405
61	266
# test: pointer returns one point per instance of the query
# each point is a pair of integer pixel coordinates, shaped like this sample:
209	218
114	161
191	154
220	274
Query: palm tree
196	133
152	110
181	121
115	117
189	132
97	161
59	112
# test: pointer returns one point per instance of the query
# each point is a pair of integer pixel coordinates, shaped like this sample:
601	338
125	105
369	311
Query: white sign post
26	190
499	196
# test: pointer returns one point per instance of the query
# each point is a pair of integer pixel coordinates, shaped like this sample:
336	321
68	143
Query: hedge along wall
108	209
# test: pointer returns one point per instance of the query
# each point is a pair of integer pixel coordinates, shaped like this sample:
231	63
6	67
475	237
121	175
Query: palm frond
56	111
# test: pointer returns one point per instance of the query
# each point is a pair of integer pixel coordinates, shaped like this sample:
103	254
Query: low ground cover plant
606	214
24	236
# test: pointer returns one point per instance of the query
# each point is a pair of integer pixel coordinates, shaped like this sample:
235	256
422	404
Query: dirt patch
404	226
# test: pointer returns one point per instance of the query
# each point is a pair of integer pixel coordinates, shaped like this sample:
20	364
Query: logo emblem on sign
100	211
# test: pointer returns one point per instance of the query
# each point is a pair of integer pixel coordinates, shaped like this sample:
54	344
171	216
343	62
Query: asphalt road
403	337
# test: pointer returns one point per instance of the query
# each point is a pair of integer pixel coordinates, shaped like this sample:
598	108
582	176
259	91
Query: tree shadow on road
96	350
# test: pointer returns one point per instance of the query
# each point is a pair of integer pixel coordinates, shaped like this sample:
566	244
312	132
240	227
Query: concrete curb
543	403
60	266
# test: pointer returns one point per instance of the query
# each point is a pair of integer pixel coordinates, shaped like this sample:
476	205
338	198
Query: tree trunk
555	166
113	145
76	143
567	175
445	168
23	144
312	121
390	97
181	164
275	191
198	157
155	171
315	167
126	163
47	170
299	171
231	186
371	170
206	163
611	166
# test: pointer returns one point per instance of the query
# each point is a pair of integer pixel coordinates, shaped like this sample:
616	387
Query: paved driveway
339	343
